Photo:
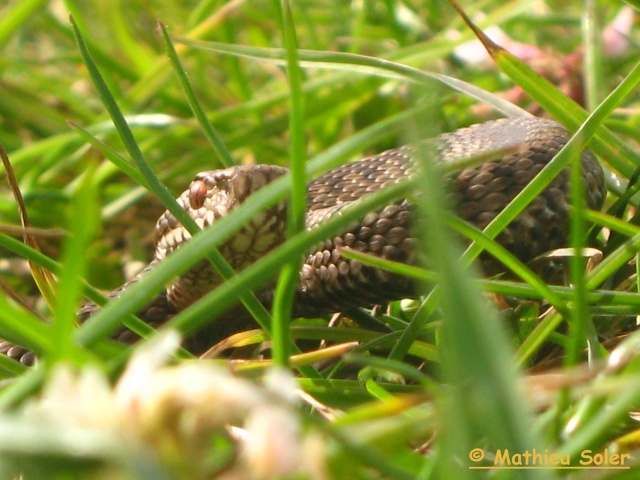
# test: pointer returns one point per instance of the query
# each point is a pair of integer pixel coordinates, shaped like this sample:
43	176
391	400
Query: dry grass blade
43	278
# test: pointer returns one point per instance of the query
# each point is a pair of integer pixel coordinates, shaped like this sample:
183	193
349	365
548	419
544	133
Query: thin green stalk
582	328
628	301
288	281
356	63
473	346
216	141
592	29
83	223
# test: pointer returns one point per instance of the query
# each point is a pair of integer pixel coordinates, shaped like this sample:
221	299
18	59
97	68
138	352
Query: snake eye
197	194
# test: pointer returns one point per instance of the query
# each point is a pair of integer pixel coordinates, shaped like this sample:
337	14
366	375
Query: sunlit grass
428	380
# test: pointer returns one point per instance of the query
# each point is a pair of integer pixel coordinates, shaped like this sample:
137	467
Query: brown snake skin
330	283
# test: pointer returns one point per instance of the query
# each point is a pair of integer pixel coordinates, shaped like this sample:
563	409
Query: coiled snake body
331	283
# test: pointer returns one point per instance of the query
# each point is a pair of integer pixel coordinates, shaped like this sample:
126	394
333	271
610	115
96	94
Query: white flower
175	412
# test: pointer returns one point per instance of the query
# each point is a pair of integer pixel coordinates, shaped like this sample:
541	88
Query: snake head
211	195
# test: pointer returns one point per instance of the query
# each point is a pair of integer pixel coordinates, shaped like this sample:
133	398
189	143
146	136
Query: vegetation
104	115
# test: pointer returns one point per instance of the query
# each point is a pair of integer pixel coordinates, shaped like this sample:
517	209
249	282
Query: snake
329	282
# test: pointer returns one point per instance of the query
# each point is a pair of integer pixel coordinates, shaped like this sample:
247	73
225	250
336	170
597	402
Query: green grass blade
83	223
214	138
113	156
22	327
475	357
297	207
362	64
561	107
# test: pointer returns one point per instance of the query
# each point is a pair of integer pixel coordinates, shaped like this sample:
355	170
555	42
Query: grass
97	113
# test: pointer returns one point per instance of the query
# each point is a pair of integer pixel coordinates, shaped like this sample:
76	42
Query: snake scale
330	283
